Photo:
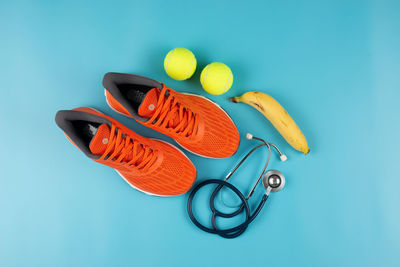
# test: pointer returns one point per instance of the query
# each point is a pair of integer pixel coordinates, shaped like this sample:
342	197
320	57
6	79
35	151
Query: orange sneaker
151	166
195	122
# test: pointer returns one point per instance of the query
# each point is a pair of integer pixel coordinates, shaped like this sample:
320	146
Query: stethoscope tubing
244	206
230	232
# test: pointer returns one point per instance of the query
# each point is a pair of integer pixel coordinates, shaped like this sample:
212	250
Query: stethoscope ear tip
283	157
249	136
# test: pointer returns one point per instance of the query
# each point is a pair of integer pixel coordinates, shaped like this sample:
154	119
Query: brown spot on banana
258	106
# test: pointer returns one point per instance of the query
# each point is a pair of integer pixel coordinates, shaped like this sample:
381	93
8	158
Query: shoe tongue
99	141
149	103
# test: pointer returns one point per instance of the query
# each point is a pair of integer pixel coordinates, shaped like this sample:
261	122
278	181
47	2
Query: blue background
333	64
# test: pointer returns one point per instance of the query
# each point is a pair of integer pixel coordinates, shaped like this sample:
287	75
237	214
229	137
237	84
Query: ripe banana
277	115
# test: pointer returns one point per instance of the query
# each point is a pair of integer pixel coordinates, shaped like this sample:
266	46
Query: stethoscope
273	181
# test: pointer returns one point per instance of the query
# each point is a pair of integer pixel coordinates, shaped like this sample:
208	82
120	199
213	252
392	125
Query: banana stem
234	99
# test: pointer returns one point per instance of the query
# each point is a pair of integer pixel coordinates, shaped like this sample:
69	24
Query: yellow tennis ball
216	78
180	64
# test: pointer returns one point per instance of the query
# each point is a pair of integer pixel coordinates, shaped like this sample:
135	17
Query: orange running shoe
195	122
151	166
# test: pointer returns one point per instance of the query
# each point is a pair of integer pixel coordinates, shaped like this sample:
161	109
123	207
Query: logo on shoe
151	107
105	141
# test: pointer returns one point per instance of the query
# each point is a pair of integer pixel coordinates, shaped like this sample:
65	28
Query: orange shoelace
169	110
128	151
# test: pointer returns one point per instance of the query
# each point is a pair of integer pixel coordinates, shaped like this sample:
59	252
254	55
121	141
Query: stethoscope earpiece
273	181
282	156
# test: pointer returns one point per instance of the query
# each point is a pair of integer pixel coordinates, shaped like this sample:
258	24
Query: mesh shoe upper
198	124
219	136
151	166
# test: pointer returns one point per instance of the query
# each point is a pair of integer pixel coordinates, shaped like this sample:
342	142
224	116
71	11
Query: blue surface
333	64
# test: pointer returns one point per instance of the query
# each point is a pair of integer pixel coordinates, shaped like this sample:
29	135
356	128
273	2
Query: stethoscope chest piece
273	181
